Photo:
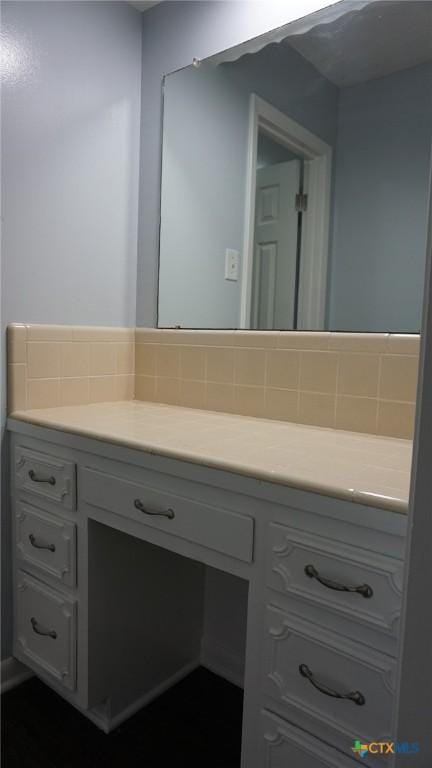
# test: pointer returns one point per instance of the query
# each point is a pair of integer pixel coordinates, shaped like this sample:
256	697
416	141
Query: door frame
315	226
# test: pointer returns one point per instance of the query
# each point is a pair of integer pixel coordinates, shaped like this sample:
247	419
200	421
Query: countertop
367	469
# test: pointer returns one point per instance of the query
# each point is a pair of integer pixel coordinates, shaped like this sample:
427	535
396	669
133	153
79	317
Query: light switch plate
231	264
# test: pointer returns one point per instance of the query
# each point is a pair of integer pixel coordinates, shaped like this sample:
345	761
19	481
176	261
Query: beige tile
249	401
147	335
259	339
317	409
168	390
43	393
283	369
318	371
17	391
220	364
168	361
304	340
103	358
220	397
281	404
396	419
145	359
37	332
206	338
125	357
192	394
43	360
74	391
250	367
358	342
75	359
102	333
125	387
102	389
145	388
358	374
192	363
398	379
17	344
403	344
357	414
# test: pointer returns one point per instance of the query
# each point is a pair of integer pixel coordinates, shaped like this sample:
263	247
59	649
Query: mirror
295	176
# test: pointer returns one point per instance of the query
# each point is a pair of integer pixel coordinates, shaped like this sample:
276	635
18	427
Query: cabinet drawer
285	745
46	542
212	527
46	630
46	476
305	665
318	569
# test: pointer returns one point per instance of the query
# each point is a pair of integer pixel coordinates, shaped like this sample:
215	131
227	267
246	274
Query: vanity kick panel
218	529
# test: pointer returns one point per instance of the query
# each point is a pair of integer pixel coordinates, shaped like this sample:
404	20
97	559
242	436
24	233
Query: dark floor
196	723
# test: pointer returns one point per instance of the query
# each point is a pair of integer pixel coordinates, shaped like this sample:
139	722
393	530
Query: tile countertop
362	468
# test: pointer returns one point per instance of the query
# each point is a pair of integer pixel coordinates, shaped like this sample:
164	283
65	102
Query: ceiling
372	42
142	5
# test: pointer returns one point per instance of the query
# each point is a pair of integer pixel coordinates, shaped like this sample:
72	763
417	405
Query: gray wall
70	160
173	34
70	140
381	195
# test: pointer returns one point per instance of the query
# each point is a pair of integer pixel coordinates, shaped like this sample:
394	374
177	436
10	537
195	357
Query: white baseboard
108	723
223	661
12	673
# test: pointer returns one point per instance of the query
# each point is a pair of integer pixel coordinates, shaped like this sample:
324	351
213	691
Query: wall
71	91
173	34
381	194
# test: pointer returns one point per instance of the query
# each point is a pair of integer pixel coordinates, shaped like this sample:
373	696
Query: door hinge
301	202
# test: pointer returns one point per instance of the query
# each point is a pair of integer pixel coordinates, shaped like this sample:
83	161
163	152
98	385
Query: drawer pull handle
354	696
364	589
34	543
169	513
42	631
33	476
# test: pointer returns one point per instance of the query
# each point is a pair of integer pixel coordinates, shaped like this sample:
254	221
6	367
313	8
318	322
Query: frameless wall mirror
295	176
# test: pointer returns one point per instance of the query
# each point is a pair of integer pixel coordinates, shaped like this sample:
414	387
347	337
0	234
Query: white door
275	246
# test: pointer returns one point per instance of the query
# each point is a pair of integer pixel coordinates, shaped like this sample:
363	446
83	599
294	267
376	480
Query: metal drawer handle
41	630
33	476
35	544
364	589
354	696
169	513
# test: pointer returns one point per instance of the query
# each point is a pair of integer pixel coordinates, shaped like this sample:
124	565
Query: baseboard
12	673
223	661
107	723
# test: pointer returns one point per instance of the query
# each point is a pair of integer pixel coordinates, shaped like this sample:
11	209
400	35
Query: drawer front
305	665
212	527
317	570
46	476
46	542
285	746
46	630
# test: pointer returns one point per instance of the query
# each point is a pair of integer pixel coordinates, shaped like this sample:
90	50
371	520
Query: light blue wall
205	140
71	93
381	195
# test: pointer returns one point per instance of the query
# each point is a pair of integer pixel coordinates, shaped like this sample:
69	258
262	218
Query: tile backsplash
352	381
358	382
51	365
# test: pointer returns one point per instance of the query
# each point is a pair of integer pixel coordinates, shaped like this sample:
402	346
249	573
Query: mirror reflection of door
277	236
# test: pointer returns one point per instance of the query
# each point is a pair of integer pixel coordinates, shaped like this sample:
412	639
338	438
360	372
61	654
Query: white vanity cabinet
109	588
